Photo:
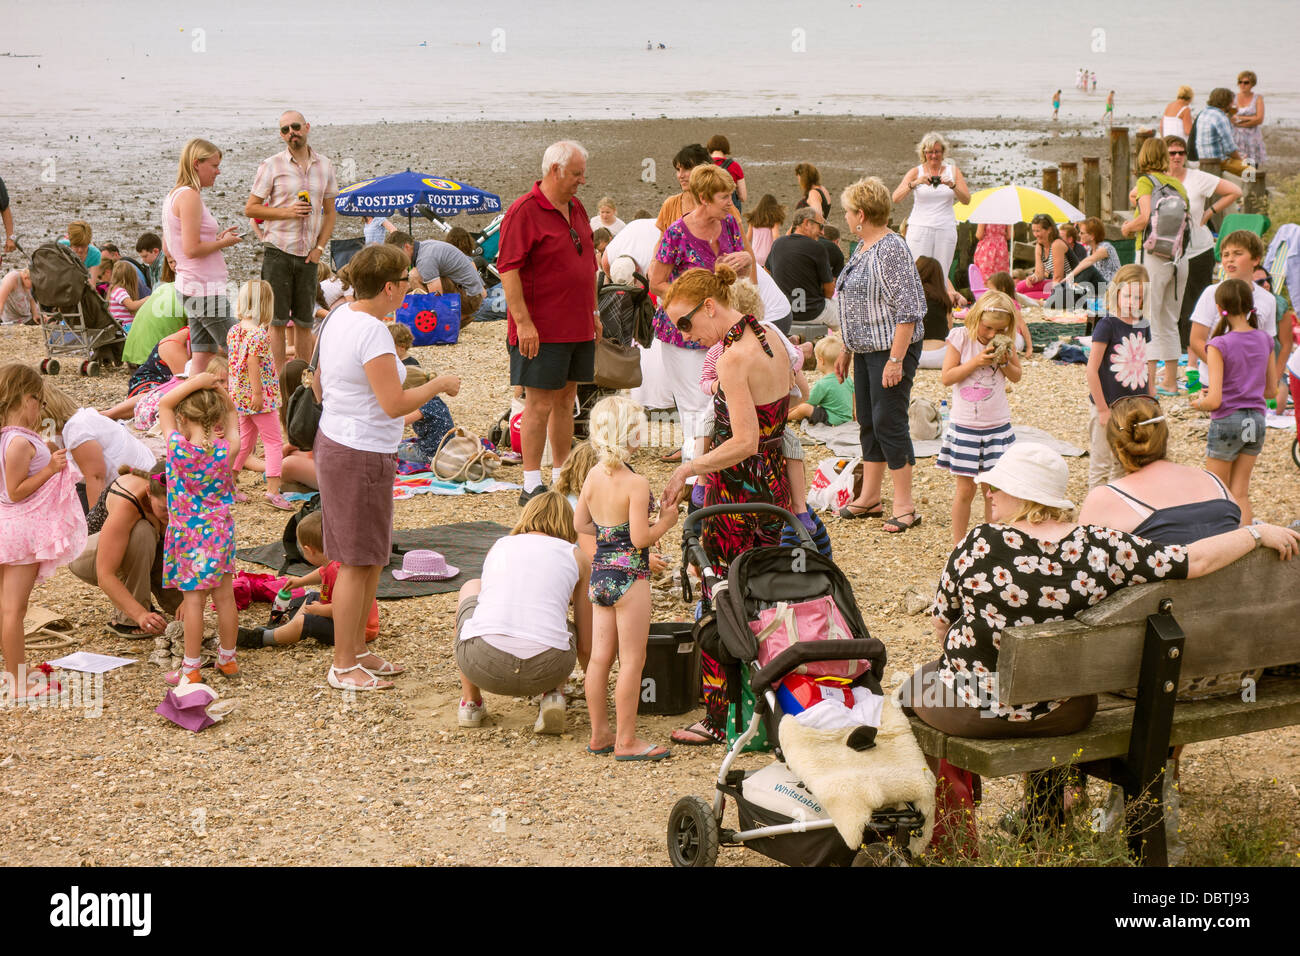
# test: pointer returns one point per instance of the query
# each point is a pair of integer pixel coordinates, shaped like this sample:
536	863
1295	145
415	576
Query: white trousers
936	243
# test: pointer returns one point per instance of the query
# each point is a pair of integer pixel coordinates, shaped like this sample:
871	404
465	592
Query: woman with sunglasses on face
1248	118
359	380
745	462
707	235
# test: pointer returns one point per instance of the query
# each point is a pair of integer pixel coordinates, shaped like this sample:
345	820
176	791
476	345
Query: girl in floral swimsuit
614	505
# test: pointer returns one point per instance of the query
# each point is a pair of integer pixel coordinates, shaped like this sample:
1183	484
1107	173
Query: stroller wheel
90	368
50	366
692	833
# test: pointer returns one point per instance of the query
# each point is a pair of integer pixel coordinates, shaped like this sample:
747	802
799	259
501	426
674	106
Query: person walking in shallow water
1056	104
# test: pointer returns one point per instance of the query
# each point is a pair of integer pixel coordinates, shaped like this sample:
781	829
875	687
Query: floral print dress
199	547
1000	577
250	355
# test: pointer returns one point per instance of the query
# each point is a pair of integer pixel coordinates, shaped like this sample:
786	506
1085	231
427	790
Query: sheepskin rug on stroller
850	784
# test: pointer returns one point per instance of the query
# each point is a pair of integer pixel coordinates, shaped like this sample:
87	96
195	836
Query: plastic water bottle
943	415
280	606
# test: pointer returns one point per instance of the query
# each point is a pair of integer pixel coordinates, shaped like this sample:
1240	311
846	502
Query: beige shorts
497	672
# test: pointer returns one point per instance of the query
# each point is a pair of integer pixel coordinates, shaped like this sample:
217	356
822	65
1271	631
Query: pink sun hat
425	566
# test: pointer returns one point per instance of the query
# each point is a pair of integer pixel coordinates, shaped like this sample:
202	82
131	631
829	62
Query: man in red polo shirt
547	263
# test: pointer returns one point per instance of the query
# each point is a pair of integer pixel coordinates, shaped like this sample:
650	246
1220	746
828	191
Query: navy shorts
555	365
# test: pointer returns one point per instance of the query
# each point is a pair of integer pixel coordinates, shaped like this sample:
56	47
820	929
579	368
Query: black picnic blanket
464	544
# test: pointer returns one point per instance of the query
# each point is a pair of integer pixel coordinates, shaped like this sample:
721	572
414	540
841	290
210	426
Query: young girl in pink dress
254	385
199	549
991	253
43	525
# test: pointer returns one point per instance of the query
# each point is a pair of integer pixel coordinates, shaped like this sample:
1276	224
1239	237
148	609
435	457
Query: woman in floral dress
744	463
1033	565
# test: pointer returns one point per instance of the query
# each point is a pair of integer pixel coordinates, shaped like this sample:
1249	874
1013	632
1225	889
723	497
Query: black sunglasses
1178	152
296	127
684	323
577	243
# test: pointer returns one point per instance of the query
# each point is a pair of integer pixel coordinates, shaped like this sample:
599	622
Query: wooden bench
1242	617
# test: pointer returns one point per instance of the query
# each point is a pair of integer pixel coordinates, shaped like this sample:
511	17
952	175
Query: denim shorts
1239	433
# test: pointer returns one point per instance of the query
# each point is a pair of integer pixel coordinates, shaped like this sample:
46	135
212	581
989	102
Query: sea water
213	68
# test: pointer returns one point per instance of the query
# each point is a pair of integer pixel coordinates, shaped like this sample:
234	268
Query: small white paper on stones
89	663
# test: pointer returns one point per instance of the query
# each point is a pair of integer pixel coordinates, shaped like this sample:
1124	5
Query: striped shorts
967	451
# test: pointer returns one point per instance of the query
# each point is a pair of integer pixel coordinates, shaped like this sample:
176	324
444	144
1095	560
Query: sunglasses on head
296	127
577	243
684	323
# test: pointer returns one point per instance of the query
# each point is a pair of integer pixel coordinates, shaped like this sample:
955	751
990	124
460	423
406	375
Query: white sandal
374	683
387	670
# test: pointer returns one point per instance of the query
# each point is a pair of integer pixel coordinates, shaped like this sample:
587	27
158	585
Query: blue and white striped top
879	289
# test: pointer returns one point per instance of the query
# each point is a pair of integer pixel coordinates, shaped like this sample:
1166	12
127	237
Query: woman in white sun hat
1033	564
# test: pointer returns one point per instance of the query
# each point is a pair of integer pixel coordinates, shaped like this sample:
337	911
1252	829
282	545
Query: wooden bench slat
1241	617
1277	704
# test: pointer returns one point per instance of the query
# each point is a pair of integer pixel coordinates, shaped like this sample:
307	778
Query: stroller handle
866	648
691	527
693	551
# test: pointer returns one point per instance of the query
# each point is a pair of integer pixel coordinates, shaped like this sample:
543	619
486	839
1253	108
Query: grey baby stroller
779	817
74	319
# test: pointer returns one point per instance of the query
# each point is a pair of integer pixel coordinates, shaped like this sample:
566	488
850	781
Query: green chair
1253	222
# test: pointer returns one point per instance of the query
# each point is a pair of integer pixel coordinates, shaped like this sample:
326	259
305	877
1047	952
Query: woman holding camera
935	187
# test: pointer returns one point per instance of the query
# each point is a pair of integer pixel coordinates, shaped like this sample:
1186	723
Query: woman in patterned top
745	462
1033	565
881	308
707	235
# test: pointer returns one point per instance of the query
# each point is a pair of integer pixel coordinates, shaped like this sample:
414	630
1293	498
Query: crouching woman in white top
513	635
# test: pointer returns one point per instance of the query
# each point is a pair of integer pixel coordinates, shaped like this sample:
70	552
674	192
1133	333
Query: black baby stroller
779	816
75	320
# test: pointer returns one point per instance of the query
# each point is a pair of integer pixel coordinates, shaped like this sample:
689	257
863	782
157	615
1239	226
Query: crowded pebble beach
301	773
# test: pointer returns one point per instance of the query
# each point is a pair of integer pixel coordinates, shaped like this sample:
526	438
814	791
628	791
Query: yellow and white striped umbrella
1010	204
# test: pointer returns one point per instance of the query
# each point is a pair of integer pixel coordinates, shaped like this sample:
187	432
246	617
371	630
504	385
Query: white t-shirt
638	239
614	229
351	415
525	614
1206	313
120	447
1200	187
775	305
332	290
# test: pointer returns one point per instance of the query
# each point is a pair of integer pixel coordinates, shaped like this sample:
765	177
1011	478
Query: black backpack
626	312
292	554
1192	156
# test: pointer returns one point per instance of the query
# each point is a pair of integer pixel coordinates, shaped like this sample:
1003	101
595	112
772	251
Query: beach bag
302	411
462	457
433	318
923	420
818	619
617	365
759	742
836	483
1167	231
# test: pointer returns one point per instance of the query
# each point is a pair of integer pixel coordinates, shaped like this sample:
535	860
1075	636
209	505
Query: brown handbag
462	457
617	365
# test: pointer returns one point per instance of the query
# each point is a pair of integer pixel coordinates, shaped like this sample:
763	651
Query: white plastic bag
836	483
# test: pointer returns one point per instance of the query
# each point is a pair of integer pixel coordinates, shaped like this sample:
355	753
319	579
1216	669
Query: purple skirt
356	499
